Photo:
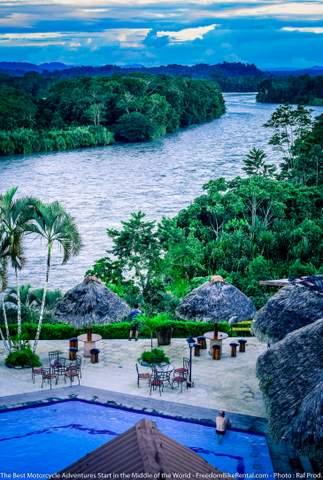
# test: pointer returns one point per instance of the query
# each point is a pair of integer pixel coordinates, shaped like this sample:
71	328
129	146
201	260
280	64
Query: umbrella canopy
142	449
91	302
215	301
294	306
291	379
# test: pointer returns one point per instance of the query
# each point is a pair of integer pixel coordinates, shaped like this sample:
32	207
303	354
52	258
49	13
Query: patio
228	384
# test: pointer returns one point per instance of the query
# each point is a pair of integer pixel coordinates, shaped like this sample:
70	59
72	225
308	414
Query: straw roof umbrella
294	306
91	302
215	301
290	374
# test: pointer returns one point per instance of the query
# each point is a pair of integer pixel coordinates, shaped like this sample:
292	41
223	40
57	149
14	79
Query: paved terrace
228	384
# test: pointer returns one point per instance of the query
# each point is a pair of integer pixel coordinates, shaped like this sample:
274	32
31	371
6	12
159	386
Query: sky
269	33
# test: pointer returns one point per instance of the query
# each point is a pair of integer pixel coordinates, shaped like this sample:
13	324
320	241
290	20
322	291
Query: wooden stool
95	355
202	342
242	345
216	352
72	353
197	348
234	349
74	343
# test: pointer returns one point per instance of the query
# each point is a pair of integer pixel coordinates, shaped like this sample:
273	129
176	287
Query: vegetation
20	217
155	357
24	357
268	225
85	112
304	90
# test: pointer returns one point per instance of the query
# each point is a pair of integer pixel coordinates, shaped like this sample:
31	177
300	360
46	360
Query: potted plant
156	356
164	334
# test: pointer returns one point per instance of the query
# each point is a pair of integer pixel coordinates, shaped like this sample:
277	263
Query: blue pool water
48	438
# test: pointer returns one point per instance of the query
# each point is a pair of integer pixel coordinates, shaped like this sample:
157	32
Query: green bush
120	330
23	358
155	357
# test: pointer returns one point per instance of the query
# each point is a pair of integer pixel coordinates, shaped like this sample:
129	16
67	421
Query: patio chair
77	363
72	373
36	371
142	375
155	382
59	367
180	376
53	357
48	375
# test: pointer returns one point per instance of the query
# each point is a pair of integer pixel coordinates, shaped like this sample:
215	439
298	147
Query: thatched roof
292	307
91	302
142	449
291	379
215	301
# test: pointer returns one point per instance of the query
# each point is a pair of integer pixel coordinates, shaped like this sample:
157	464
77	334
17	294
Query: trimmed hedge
181	329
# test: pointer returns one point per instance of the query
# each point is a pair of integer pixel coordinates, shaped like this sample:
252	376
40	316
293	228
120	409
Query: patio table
215	340
89	344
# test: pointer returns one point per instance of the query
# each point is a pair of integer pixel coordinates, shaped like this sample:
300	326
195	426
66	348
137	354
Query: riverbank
85	112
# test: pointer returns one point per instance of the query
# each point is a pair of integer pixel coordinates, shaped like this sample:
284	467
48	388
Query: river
102	186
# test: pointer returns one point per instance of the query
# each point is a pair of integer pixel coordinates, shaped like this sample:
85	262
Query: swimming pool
47	438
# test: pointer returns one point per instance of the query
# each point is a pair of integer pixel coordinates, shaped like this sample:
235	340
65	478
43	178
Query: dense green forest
268	225
304	90
38	114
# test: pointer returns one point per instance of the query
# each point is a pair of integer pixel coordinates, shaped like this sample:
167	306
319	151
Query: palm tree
14	217
52	223
255	163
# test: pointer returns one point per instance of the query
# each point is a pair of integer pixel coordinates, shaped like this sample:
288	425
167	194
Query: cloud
187	34
124	37
315	30
16	20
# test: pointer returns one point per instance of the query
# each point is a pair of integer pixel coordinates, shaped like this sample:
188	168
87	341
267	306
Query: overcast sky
269	33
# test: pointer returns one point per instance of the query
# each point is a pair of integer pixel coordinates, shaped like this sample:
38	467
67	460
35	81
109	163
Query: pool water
46	439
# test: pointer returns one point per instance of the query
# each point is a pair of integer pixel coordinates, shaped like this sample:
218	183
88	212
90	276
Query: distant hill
20	68
230	76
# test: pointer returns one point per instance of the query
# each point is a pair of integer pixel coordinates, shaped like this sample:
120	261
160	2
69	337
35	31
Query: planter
164	336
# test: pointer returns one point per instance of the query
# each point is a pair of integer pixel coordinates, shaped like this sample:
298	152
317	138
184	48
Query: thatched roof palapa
141	449
215	301
294	306
91	302
291	378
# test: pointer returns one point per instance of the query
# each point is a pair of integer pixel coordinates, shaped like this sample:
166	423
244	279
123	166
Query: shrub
120	330
23	358
156	356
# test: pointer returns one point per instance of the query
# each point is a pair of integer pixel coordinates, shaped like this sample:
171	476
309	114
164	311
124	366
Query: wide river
100	187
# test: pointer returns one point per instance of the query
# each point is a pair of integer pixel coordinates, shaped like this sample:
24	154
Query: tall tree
52	223
15	215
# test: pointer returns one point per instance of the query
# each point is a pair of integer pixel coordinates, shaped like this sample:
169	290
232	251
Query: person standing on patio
134	326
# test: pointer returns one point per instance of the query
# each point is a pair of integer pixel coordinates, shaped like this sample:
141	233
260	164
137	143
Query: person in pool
221	423
134	326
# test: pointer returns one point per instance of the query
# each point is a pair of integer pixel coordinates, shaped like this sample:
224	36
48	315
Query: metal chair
77	363
36	371
180	376
59	367
155	382
142	375
48	375
72	373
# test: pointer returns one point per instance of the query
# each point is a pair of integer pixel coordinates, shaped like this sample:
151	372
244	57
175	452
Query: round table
89	344
215	340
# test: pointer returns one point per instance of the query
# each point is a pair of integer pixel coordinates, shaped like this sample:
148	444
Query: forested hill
38	114
303	90
230	76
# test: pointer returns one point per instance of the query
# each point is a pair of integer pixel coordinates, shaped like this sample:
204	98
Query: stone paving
228	384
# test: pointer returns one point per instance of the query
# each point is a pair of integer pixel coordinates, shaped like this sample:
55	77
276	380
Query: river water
100	187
